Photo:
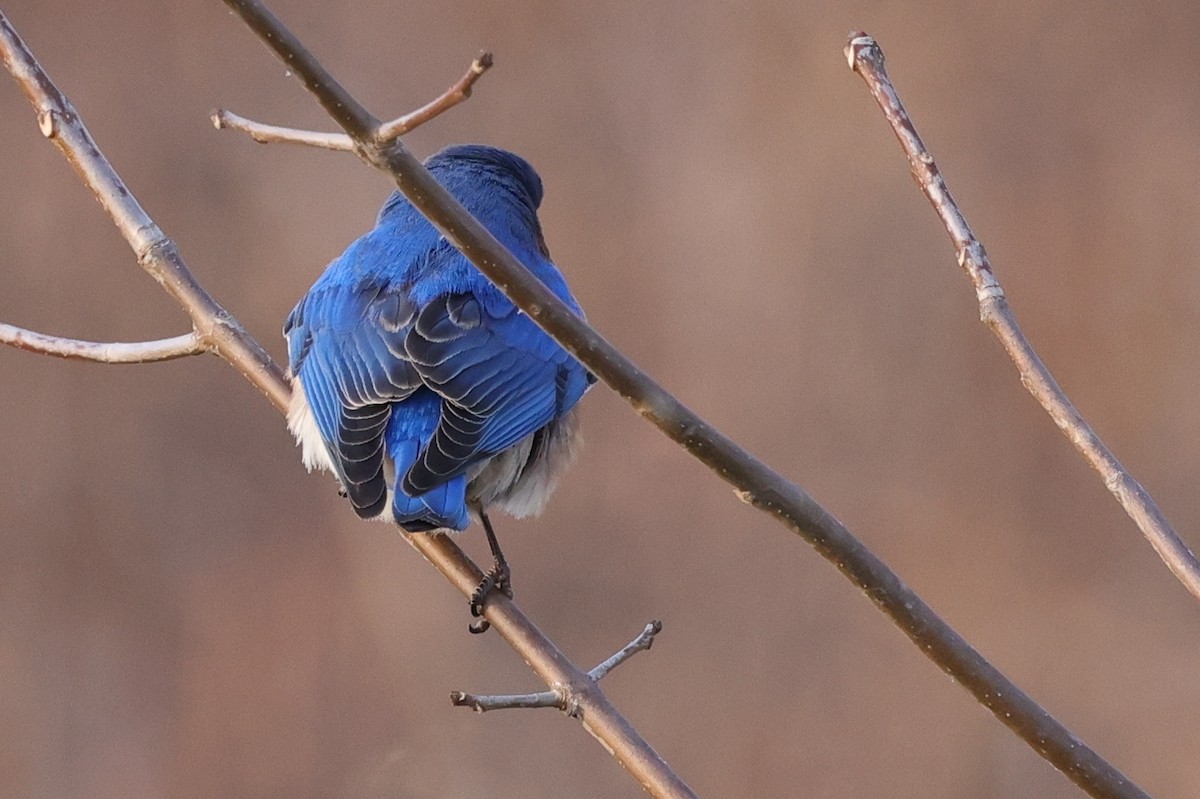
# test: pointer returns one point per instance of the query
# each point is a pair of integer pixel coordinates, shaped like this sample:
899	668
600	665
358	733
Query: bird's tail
444	506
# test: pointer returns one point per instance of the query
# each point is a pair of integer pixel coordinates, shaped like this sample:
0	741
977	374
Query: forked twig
559	696
166	349
752	480
866	58
387	132
59	122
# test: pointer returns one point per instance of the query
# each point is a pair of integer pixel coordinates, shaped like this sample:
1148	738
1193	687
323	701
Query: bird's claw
497	578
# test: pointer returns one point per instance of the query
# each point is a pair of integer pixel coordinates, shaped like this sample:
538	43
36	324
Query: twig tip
462	699
858	41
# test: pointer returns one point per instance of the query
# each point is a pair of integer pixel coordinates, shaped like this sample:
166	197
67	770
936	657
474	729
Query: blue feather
415	366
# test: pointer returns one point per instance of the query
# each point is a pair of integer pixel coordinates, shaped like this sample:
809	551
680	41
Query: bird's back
418	381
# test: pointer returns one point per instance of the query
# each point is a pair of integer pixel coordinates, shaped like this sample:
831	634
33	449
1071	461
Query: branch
263	133
58	121
597	714
159	256
866	58
644	640
460	91
482	703
559	696
387	131
167	349
754	483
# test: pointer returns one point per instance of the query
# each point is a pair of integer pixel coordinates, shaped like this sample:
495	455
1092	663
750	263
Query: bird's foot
497	578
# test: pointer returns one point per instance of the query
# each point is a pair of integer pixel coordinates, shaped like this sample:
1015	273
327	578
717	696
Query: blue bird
417	383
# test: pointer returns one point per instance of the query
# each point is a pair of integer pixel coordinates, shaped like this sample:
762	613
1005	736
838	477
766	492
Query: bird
427	393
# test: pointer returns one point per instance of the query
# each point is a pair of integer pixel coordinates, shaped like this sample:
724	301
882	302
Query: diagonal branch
460	91
167	349
866	58
753	482
388	131
643	642
159	256
156	253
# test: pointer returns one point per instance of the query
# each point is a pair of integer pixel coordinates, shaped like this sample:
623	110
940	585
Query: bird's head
466	160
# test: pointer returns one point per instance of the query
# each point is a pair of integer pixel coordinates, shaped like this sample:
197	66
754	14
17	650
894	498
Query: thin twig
460	91
644	640
157	254
482	703
167	349
866	58
263	133
560	696
753	481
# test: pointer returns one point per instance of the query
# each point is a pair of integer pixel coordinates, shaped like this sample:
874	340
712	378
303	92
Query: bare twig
166	349
482	703
451	97
594	710
386	132
263	133
559	696
157	254
753	481
643	641
866	58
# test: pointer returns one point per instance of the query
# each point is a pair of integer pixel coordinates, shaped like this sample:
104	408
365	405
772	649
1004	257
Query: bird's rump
501	379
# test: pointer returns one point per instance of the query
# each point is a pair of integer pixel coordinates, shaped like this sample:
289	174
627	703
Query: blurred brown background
184	612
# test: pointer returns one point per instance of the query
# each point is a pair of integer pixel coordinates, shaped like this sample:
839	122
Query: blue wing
499	376
434	390
346	346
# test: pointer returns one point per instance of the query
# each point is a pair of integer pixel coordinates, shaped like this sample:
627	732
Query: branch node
153	245
567	698
990	291
47	120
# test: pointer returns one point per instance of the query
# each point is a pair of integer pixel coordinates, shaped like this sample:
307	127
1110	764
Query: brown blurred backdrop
185	612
